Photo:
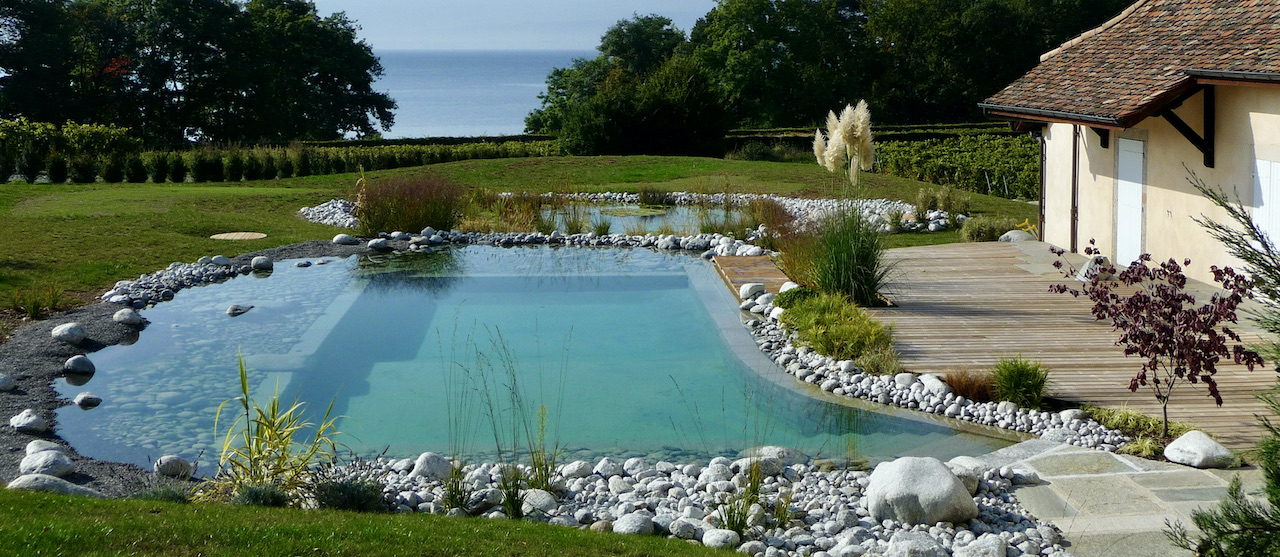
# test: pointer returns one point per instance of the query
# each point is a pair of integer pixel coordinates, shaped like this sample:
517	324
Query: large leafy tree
630	49
36	58
784	62
939	58
641	44
182	70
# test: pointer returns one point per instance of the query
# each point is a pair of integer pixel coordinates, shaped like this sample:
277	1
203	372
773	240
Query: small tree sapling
1161	323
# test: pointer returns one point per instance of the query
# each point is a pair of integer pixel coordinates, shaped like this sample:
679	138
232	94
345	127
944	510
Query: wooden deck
739	270
968	305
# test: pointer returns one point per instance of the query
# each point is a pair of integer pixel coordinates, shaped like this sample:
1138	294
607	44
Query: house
1130	110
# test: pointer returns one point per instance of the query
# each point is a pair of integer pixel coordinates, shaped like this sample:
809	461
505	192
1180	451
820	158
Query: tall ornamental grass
408	204
265	447
845	256
1020	381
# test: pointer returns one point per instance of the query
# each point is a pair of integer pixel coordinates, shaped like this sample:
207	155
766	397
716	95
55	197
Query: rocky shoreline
834	513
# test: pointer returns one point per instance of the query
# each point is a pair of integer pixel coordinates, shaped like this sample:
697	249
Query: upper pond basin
632	352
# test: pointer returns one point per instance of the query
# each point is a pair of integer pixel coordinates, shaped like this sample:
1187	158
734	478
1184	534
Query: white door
1266	199
1128	201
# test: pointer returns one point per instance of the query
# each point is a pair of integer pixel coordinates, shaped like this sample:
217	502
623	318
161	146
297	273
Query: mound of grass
834	326
984	228
845	256
1136	424
1020	381
974	385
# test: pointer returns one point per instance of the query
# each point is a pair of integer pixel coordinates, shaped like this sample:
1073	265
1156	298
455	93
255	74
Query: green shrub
113	168
1019	381
847	258
303	161
836	327
233	166
601	226
881	360
206	166
791	297
159	164
1003	166
135	171
363	496
408	203
261	495
177	168
57	169
30	162
257	166
284	165
84	169
654	197
1135	424
982	228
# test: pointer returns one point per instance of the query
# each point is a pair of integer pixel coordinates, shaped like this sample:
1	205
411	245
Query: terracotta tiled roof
1144	58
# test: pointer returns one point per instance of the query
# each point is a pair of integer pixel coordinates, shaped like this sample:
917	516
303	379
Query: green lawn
46	524
85	237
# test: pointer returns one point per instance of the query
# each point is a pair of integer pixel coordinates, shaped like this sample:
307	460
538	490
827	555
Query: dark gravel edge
34	359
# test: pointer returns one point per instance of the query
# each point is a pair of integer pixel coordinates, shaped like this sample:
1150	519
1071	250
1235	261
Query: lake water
466	93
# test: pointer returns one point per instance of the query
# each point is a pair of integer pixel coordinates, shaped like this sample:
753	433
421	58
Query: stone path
1108	504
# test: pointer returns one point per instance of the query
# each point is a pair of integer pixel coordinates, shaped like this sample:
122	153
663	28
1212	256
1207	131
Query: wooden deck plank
968	305
739	270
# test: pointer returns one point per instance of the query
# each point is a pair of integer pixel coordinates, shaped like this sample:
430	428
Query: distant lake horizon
466	93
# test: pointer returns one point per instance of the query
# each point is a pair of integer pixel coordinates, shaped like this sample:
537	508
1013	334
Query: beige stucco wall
1248	128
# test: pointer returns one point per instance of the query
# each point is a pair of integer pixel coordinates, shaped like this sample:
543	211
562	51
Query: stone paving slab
1108	504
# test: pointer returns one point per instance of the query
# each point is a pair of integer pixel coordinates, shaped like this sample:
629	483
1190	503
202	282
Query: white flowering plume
848	139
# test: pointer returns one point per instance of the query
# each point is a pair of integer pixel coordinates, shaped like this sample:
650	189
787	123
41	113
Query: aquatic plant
260	448
407	203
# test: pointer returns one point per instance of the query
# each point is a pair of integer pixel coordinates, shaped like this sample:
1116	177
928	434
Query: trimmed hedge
1006	167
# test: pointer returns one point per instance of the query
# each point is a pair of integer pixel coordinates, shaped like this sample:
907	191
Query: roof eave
1007	112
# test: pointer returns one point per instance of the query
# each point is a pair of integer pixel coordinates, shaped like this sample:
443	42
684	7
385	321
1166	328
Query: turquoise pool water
632	352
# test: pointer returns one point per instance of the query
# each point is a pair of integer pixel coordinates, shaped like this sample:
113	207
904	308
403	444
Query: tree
783	62
177	71
36	58
641	44
631	49
314	76
1160	322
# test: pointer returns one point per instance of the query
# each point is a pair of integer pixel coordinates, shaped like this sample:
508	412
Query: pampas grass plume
820	147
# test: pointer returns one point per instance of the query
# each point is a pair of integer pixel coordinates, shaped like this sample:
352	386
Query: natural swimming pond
633	352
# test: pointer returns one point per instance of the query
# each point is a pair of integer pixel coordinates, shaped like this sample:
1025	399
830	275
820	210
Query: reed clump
407	203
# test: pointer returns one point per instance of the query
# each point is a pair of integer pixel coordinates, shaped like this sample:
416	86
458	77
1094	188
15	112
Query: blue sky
501	24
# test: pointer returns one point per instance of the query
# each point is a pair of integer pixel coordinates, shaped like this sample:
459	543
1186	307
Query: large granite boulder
51	484
52	463
1197	449
172	466
633	523
432	466
918	490
28	421
907	543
